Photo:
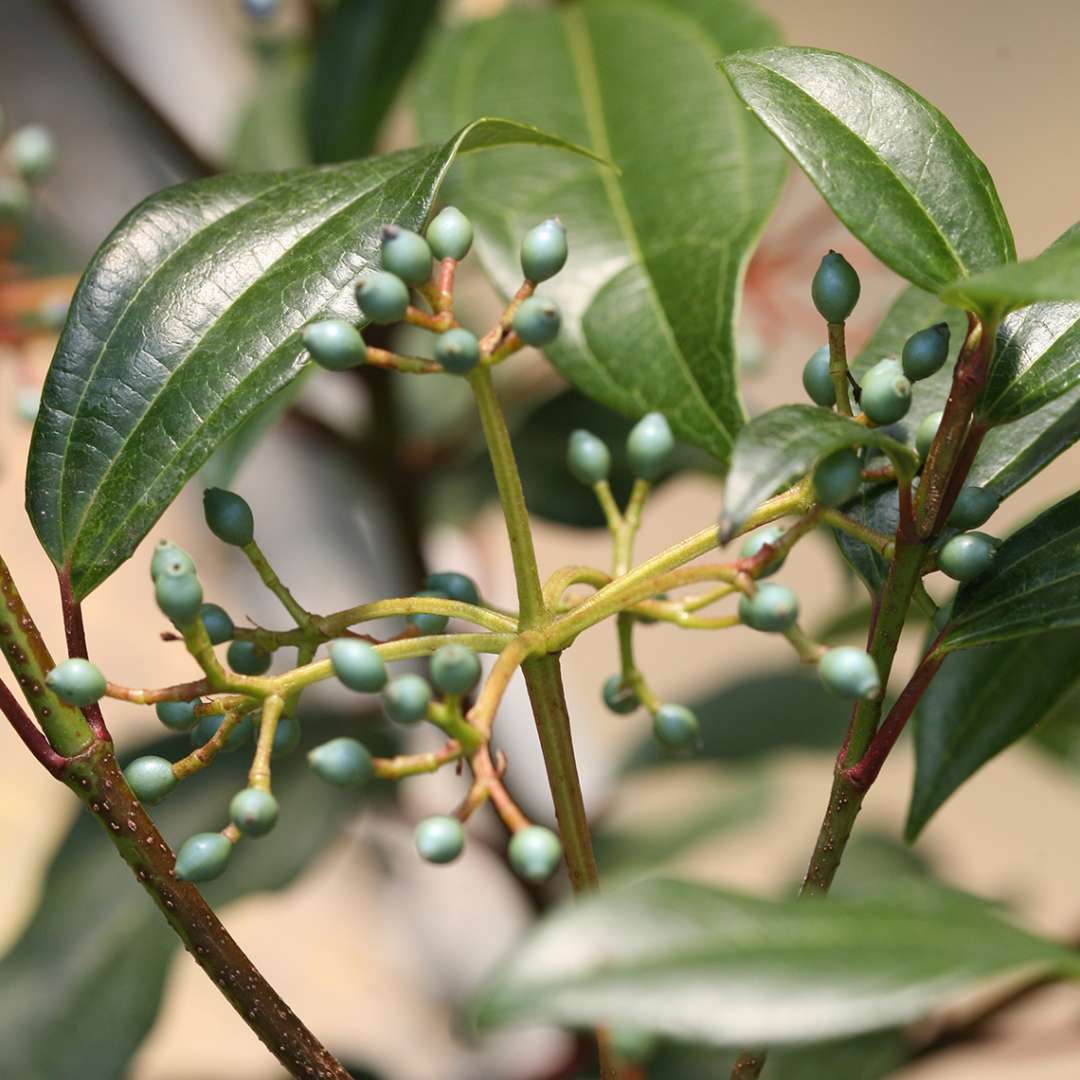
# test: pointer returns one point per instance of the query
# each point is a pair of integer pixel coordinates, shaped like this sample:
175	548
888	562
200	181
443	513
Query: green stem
838	370
270	579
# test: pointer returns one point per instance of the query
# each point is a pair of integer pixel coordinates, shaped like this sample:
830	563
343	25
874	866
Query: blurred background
359	486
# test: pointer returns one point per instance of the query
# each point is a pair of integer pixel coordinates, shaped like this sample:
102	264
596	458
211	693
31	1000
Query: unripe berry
772	608
406	254
178	595
206	727
253	812
967	556
850	673
925	432
837	478
286	737
30	151
334	344
450	234
650	445
587	458
455	586
835	288
219	627
425	622
343	762
167	554
816	380
203	857
176	715
27	403
534	853
676	727
439	839
455	669
544	250
619	697
247	658
383	297
357	665
753	544
229	516
537	321
150	778
926	351
886	393
974	506
76	681
406	699
458	350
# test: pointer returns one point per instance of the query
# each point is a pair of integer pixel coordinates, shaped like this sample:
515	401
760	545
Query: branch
30	734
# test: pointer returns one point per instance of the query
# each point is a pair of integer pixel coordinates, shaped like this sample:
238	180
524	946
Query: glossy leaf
890	165
657	250
188	319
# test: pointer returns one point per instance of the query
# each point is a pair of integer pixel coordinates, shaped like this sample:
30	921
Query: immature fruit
772	608
886	393
619	697
816	380
676	727
458	350
219	627
151	778
850	673
455	669
247	658
203	857
167	554
537	321
974	506
206	727
925	432
754	543
334	344
835	288
357	665
253	812
439	839
229	516
587	458
543	251
27	403
426	623
406	254
455	586
343	762
837	478
76	681
406	699
179	595
967	556
926	351
176	715
286	737
30	151
450	234
383	297
650	445
534	853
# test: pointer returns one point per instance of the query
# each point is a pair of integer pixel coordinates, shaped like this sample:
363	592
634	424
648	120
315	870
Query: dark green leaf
891	166
1058	733
650	291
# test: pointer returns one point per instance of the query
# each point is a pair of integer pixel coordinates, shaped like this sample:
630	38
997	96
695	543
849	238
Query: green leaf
657	251
1057	734
694	963
891	166
188	319
979	703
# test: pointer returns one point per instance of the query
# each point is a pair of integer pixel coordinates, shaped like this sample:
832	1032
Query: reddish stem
30	734
964	460
75	632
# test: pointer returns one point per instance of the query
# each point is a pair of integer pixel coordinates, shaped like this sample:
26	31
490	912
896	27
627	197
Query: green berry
458	350
450	234
253	812
286	737
203	857
817	381
167	554
587	458
837	478
455	586
334	344
357	665
835	288
926	351
439	839
27	403
206	727
534	853
967	556
229	516
30	151
753	544
76	681
343	762
406	699
544	251
177	715
426	623
974	506
650	445
676	727
619	697
850	673
383	297
772	608
178	595
406	254
886	393
219	627
150	778
455	669
247	658
925	432
537	321
14	200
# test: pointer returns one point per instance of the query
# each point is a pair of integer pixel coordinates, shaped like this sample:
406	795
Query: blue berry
650	445
203	857
439	839
455	586
286	737
619	697
816	380
772	608
406	699
253	812
334	344
455	669
534	853
974	506
176	715
835	288
219	627
406	254
850	673
357	665
178	595
925	352
837	478
544	250
537	321
76	681
343	762
206	727
886	393
426	623
383	297
967	556
150	778
450	234
229	516
458	350
30	151
247	658
168	555
925	432
676	727
753	544
587	458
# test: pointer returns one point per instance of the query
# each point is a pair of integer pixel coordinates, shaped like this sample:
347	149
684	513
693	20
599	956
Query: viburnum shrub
210	298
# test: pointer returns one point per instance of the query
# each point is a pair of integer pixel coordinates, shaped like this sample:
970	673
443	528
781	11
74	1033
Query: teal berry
455	586
14	199
229	517
817	381
219	627
334	344
427	623
534	853
150	778
30	151
383	297
203	857
676	727
168	555
835	288
247	658
76	681
253	812
619	697
772	608
587	458
458	350
974	506
178	595
925	432
544	250
650	445
925	352
450	234
406	699
886	393
286	737
439	839
406	254
357	665
537	321
753	544
27	403
455	669
177	715
343	762
206	727
967	556
850	673
837	478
